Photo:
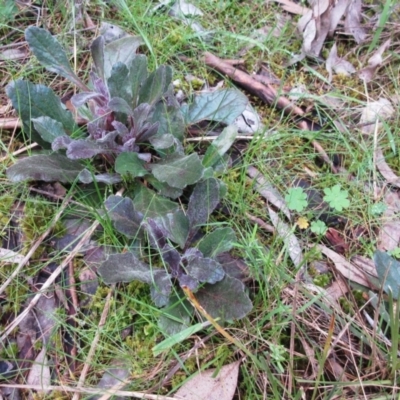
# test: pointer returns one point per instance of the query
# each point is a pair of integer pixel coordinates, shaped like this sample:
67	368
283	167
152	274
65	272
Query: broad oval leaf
122	50
203	269
222	106
48	168
137	76
118	104
163	188
219	241
110	179
82	149
122	212
152	205
50	53
48	128
174	226
220	146
125	267
155	85
34	101
175	316
226	299
179	171
163	141
97	51
161	287
202	203
117	82
129	163
388	270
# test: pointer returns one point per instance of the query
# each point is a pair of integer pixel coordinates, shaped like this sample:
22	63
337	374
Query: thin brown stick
72	311
260	223
266	92
136	395
34	247
20	151
96	339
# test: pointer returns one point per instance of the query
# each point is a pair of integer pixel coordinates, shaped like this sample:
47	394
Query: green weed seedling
337	197
136	127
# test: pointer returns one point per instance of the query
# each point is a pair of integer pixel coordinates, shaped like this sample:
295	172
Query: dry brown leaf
204	387
374	62
384	168
285	232
346	268
337	13
39	373
13	54
292	7
365	264
352	22
374	112
334	63
10	257
389	234
337	289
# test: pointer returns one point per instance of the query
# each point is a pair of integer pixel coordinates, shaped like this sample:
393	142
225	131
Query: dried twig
124	393
260	223
20	151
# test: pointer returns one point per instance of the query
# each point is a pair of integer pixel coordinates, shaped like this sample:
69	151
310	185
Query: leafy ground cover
205	186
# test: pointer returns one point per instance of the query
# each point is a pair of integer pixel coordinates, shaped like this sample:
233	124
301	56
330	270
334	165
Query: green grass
291	324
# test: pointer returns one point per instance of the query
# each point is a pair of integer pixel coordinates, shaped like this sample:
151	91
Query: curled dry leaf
39	373
337	13
352	22
10	257
389	234
336	64
205	386
374	62
347	269
293	8
384	168
317	23
374	112
13	54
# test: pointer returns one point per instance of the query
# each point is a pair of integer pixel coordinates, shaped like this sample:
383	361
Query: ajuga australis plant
135	125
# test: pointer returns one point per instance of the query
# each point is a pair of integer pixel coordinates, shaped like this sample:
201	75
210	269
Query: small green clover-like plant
395	252
378	208
318	227
337	197
296	199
